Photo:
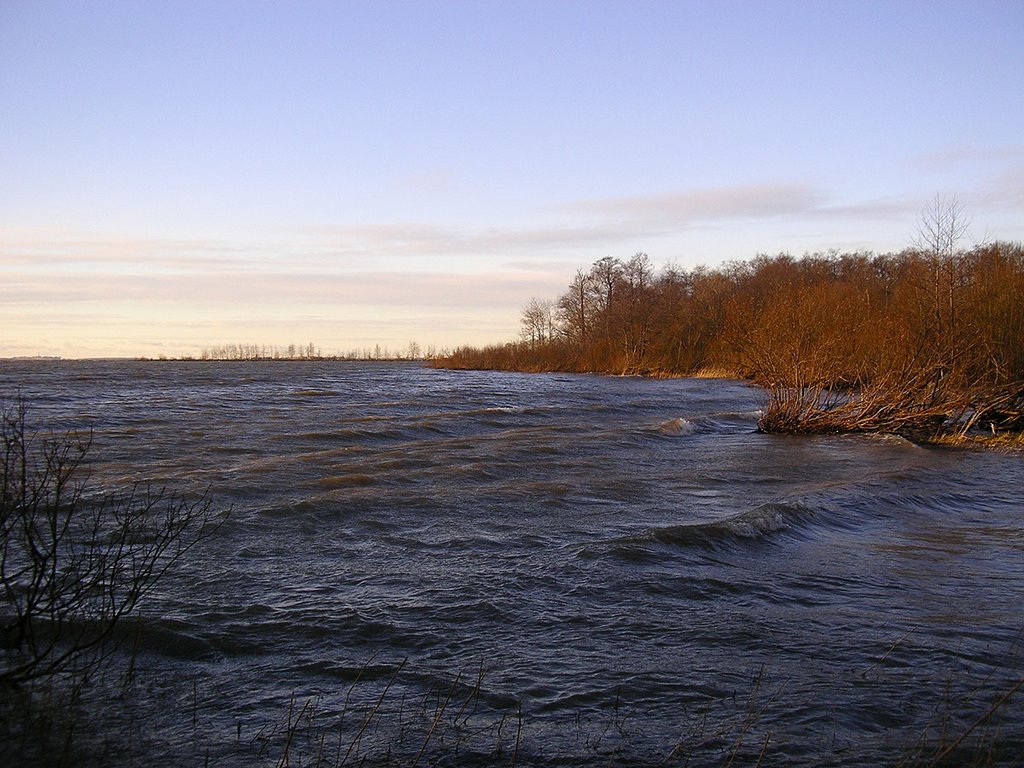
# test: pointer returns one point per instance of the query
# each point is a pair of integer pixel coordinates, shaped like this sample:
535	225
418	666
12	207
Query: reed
384	717
714	372
980	743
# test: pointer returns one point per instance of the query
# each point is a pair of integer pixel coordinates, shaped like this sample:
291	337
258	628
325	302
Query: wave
728	422
887	438
759	524
753	415
334	482
679	426
167	637
315	393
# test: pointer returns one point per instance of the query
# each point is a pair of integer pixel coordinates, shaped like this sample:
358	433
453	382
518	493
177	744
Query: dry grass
1002	442
714	372
379	721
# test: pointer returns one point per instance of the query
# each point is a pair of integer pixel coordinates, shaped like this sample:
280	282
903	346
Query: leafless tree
941	227
605	275
574	308
72	567
538	321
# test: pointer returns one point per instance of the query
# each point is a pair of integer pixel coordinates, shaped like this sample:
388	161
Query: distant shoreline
137	359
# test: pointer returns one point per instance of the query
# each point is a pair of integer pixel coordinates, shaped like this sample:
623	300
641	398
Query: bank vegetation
927	342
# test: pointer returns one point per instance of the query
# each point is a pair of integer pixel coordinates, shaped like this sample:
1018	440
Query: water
574	569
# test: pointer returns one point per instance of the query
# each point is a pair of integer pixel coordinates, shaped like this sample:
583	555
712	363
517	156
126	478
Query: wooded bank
927	342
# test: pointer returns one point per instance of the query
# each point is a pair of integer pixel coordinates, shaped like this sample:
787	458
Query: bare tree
538	321
638	309
605	275
941	227
71	568
575	308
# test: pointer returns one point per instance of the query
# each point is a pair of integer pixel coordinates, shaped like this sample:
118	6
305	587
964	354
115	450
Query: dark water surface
577	569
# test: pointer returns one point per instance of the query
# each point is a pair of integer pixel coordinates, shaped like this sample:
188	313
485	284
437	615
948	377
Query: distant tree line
925	342
236	352
261	352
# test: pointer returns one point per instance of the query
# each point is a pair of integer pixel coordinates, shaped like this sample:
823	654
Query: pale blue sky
182	174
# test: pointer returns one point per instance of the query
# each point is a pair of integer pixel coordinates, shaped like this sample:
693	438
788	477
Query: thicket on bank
927	342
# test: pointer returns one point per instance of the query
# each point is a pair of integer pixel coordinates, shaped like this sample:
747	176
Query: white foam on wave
738	415
679	426
891	439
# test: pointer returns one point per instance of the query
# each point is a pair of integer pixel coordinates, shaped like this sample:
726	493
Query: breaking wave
678	426
729	422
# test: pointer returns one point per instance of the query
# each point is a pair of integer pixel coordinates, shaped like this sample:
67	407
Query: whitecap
679	426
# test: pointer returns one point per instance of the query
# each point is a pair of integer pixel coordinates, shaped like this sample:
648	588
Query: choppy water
577	569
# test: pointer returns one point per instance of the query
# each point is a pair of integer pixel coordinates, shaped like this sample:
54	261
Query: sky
179	175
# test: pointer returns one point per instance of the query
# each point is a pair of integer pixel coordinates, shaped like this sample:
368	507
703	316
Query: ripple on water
616	556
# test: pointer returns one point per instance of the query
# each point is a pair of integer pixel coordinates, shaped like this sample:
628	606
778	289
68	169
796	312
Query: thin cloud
595	225
700	206
20	247
603	223
413	239
1004	191
554	267
270	290
953	157
871	210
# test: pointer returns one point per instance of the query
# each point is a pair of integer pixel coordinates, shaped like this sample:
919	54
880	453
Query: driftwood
916	406
911	403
